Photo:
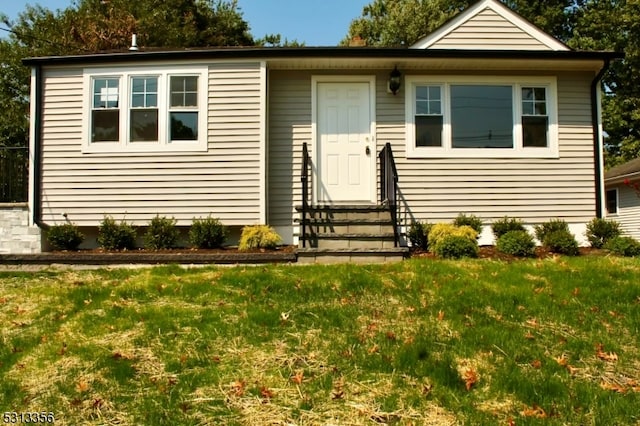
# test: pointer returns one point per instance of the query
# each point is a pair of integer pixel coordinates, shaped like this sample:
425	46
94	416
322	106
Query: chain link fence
14	174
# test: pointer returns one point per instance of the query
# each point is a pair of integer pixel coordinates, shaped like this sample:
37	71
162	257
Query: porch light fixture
394	80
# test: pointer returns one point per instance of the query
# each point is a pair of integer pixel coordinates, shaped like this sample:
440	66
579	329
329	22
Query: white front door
346	149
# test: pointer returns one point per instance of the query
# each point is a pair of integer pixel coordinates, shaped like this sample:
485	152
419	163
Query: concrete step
352	241
326	256
348	226
350	212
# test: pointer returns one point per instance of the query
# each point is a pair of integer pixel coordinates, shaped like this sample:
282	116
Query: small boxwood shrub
472	221
623	246
600	231
65	237
516	243
561	241
506	224
550	226
161	233
419	235
116	236
456	246
258	237
441	230
207	233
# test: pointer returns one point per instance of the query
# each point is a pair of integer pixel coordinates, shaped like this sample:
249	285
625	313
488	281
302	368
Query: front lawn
552	341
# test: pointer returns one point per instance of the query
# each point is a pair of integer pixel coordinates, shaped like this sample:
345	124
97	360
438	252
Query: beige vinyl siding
628	211
289	127
224	181
488	30
439	189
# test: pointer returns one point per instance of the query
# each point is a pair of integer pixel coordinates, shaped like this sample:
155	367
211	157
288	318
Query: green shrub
207	233
258	237
623	246
599	231
472	221
64	237
441	230
456	246
116	236
506	224
547	228
161	233
516	243
419	235
561	241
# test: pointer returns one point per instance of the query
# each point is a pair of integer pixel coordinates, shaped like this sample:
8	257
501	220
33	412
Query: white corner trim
501	10
263	142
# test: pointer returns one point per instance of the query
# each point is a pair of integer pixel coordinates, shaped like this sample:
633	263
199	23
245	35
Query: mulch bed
490	252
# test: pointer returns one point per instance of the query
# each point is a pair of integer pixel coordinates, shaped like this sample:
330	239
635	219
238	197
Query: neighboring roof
628	170
546	41
274	53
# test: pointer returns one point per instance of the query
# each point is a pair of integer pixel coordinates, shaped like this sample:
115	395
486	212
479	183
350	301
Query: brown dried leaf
615	387
440	315
237	387
529	336
562	360
298	377
534	411
470	378
266	393
605	356
536	363
82	386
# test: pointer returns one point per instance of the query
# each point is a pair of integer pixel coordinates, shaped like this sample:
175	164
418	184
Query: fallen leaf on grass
470	378
237	387
605	356
374	349
615	387
534	411
529	336
562	360
440	315
298	377
266	393
82	386
536	363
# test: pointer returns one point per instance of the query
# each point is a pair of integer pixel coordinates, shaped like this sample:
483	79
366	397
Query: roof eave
316	52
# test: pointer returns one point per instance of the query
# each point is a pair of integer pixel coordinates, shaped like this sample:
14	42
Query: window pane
482	116
422	93
184	91
612	201
105	93
527	93
534	131
429	130
184	126
434	93
144	125
541	108
434	107
540	93
527	108
144	92
105	125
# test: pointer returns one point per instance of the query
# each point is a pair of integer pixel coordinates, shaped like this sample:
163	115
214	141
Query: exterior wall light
394	80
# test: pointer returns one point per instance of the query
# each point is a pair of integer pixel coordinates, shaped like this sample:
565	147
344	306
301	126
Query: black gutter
597	149
318	52
37	147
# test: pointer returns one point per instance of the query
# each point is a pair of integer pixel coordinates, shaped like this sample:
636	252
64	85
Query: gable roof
628	170
490	25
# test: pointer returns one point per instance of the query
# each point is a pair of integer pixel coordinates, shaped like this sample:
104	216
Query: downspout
37	151
597	149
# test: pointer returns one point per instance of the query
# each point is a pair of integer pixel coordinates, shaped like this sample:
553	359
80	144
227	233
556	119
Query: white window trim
125	74
447	151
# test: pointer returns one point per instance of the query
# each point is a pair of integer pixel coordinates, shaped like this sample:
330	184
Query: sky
314	22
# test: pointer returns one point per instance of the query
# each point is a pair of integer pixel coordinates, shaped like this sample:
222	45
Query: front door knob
367	150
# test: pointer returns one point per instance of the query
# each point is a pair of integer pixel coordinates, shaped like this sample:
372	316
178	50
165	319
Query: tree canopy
582	24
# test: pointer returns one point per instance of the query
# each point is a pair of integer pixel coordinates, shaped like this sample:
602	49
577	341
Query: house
488	116
622	186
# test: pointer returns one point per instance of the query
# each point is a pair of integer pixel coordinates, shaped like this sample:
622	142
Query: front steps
354	233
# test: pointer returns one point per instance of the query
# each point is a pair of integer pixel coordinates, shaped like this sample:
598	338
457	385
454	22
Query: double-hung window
146	109
490	117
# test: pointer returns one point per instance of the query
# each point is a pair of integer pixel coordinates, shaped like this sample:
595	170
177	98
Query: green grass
426	341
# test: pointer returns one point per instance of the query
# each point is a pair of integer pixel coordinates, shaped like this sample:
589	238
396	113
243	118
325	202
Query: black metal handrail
389	186
304	178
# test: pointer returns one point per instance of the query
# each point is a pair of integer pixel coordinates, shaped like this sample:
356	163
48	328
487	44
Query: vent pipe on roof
134	43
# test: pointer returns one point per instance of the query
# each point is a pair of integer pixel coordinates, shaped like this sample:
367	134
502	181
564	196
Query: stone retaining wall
16	236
